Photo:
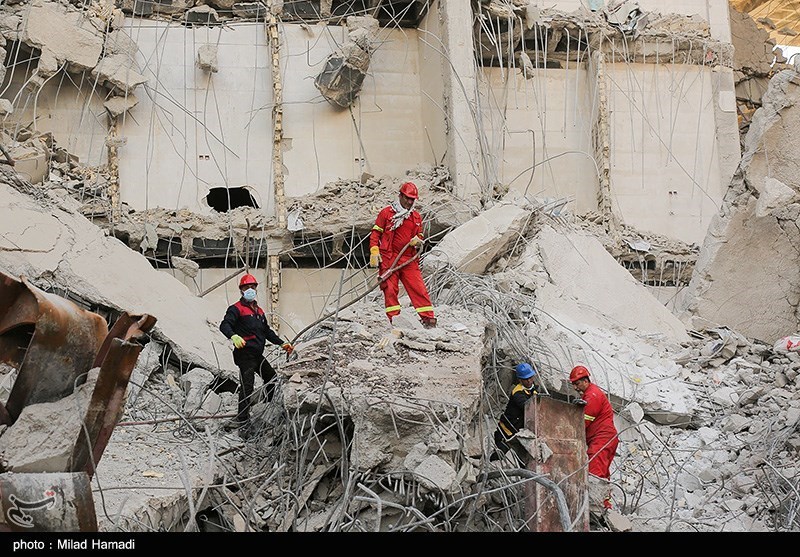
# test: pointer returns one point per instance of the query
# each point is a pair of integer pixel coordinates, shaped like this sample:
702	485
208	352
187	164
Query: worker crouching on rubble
601	434
398	231
245	324
513	419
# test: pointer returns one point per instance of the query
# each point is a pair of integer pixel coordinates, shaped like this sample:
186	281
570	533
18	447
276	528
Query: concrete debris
732	258
186	266
347	203
43	437
119	73
384	427
117	106
76	255
626	16
343	75
62	34
476	244
207	58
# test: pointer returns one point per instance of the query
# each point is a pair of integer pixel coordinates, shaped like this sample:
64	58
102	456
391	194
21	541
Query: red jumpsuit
601	434
391	242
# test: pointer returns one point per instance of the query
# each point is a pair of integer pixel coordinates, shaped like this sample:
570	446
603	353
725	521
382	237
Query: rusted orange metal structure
560	444
53	344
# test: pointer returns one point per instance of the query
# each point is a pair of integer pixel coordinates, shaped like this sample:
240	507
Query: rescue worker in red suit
601	434
246	326
396	226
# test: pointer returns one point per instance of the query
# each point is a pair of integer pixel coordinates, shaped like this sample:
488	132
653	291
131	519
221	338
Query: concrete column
460	99
601	139
277	157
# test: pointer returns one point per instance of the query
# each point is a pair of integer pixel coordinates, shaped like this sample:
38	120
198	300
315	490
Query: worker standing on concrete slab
245	324
398	231
513	419
601	433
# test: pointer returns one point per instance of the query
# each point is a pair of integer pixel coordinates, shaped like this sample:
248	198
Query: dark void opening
225	199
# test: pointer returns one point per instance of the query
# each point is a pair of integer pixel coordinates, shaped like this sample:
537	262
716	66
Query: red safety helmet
248	279
578	372
409	190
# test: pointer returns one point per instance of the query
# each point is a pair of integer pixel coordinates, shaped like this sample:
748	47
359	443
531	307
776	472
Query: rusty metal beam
61	350
561	446
116	359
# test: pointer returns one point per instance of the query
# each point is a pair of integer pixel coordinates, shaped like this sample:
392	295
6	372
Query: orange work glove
288	348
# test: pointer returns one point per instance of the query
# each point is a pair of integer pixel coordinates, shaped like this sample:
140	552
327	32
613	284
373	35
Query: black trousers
251	362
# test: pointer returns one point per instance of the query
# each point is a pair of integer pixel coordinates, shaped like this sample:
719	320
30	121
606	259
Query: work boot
428	322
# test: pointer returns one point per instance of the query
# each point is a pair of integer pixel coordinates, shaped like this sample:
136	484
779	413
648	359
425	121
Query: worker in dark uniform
513	419
246	326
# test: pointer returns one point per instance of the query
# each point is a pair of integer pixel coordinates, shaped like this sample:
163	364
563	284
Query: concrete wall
665	168
433	63
68	105
307	294
529	121
713	11
193	129
189	114
384	134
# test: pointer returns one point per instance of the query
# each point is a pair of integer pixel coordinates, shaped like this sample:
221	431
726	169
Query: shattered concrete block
195	385
149	360
44	435
792	417
207	57
435	473
225	5
725	397
186	266
119	71
66	34
119	42
6	107
733	257
775	195
117	106
617	522
736	423
474	245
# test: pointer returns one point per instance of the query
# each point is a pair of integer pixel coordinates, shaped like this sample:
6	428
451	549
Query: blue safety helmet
525	371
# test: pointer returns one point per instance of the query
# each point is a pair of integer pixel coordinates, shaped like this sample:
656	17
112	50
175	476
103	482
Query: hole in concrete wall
225	199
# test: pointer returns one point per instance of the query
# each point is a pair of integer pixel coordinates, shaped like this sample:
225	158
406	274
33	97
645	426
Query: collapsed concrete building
602	182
